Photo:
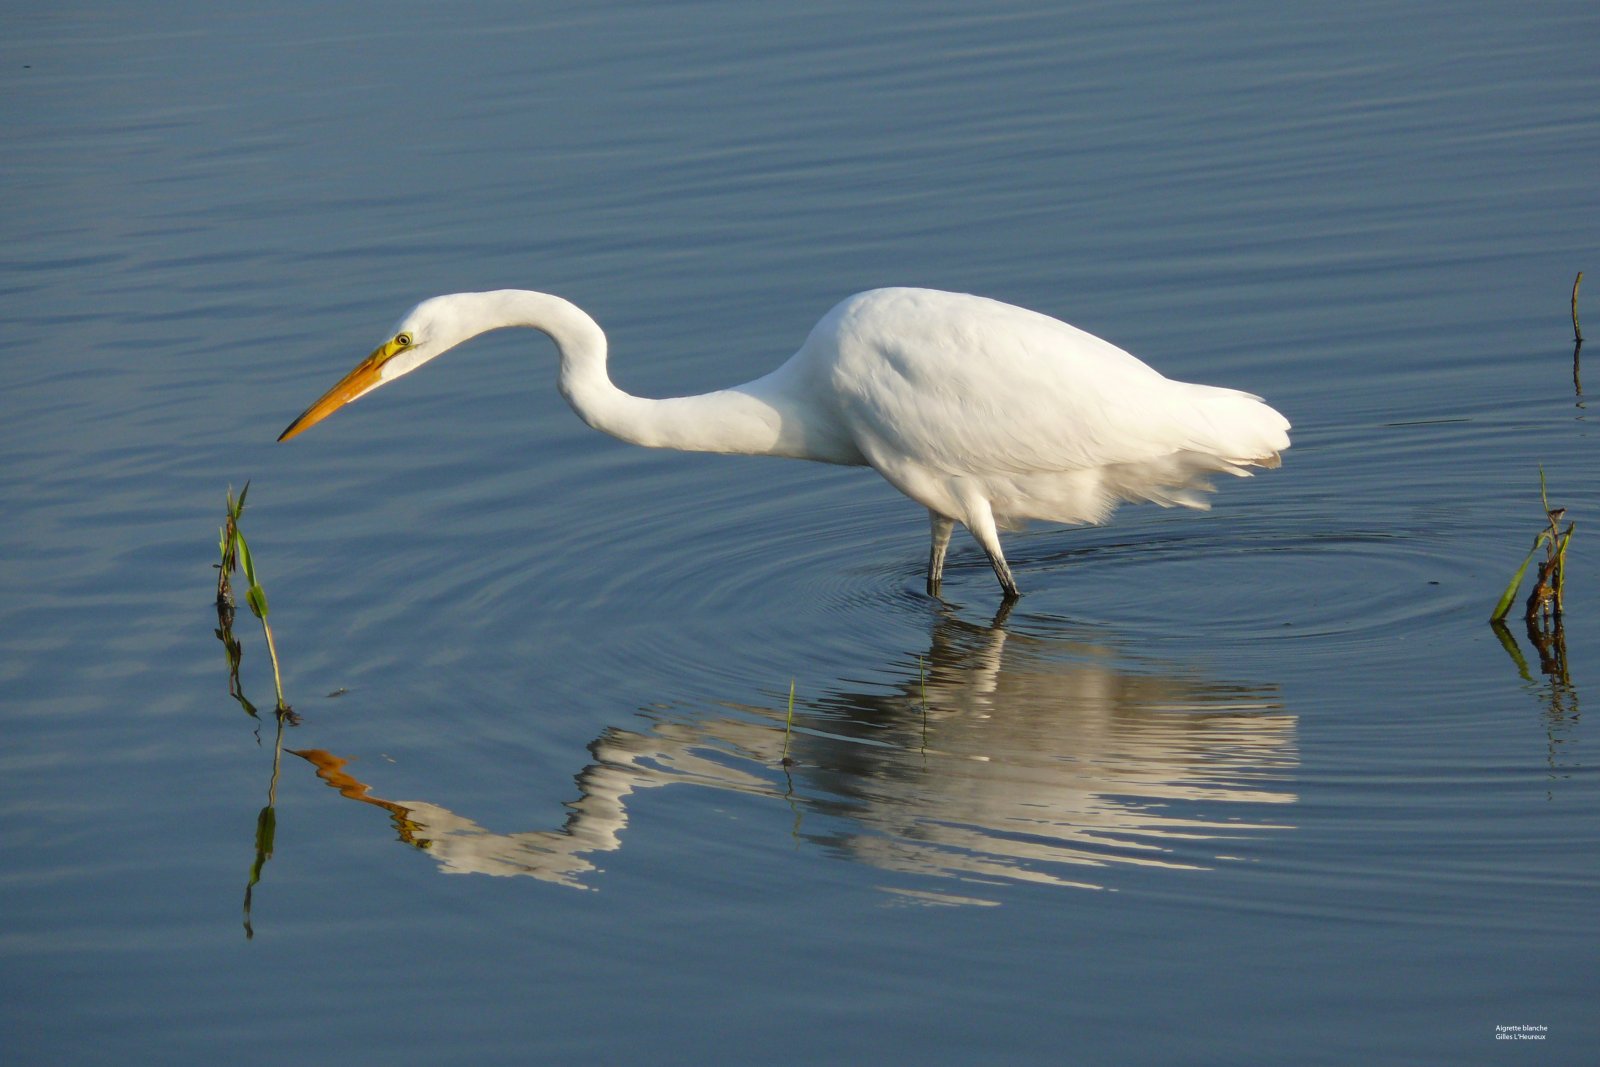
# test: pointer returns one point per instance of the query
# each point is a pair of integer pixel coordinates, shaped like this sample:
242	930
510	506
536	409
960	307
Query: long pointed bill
358	383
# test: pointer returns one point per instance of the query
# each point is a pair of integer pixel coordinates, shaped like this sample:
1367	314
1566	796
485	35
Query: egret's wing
967	385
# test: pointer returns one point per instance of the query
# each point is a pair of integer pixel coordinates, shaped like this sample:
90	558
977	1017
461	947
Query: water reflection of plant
266	825
1557	692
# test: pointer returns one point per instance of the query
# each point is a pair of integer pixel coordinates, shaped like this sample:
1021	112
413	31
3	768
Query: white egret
984	413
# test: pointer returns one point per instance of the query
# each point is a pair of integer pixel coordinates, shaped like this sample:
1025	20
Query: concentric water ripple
805	559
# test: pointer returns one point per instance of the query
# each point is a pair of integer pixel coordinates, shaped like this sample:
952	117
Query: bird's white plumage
1050	422
985	413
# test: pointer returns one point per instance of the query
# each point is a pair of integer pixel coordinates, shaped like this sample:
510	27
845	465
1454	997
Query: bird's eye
403	340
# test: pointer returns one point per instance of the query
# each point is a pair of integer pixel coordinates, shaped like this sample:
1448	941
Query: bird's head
430	329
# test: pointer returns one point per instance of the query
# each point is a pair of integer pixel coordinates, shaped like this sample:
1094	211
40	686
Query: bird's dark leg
980	521
1008	584
942	528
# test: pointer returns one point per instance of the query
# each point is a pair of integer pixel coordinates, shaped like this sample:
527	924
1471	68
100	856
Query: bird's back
1052	422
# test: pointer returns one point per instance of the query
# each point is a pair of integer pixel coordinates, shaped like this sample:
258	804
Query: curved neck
758	418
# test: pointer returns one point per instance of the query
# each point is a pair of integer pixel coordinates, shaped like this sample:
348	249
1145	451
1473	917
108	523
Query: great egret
984	413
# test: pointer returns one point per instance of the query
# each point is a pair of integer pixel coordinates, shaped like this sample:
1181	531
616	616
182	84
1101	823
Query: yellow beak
359	382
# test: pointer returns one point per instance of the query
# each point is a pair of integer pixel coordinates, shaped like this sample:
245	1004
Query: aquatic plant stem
1577	330
230	560
788	726
236	553
1546	598
277	677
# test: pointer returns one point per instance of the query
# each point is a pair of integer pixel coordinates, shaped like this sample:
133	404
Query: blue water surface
1258	784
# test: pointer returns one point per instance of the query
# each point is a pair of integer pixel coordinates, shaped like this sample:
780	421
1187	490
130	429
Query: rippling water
1252	784
1010	757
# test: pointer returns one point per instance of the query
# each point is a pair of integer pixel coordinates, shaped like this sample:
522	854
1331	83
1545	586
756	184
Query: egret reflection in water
998	756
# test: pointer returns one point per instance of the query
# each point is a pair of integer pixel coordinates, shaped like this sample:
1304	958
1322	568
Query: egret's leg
1002	571
980	521
941	542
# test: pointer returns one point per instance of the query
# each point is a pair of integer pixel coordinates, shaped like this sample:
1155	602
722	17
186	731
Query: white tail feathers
1235	428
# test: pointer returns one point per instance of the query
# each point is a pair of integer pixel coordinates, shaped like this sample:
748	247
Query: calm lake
1252	785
